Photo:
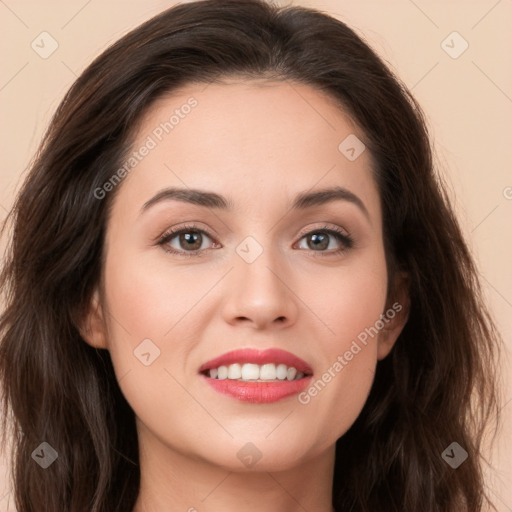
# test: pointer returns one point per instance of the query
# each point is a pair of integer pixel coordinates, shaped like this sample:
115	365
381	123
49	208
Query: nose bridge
258	290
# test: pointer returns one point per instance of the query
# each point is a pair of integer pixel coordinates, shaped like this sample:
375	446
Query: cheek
155	317
149	337
148	301
338	392
348	300
349	305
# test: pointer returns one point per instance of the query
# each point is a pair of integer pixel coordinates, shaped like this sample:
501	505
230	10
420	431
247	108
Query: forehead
252	138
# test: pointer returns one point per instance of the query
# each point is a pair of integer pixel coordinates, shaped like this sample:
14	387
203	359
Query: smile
256	376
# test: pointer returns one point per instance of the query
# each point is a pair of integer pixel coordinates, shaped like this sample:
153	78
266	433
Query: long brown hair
436	387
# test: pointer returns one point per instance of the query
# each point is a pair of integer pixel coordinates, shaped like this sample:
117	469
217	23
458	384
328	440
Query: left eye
320	240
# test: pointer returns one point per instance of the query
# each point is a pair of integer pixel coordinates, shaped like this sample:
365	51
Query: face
293	281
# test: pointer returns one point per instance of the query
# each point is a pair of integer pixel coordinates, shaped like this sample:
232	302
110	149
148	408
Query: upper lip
255	356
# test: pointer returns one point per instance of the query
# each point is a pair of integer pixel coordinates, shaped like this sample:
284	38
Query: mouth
257	376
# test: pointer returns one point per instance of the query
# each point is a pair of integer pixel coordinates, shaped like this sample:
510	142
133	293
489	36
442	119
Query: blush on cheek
135	303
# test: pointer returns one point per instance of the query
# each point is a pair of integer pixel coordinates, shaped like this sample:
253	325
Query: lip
258	392
249	355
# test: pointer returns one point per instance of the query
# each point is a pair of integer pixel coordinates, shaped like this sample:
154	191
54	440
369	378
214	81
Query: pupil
319	240
191	238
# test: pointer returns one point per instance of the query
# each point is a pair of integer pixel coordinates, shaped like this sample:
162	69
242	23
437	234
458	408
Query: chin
258	456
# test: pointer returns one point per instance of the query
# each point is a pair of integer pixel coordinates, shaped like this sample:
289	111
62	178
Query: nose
260	294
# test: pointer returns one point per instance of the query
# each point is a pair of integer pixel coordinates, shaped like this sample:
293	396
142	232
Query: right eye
190	238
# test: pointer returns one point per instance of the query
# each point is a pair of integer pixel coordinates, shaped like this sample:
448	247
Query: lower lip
258	392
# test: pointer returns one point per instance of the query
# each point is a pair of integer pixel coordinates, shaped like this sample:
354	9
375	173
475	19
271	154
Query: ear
93	327
395	316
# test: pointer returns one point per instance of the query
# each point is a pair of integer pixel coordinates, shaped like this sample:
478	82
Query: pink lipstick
257	376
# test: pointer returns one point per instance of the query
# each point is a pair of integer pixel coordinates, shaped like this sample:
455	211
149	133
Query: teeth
250	372
254	372
268	372
281	371
234	371
291	373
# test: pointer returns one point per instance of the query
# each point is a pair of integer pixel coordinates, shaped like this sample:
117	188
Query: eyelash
346	240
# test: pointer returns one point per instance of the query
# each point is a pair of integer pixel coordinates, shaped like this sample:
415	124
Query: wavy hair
435	387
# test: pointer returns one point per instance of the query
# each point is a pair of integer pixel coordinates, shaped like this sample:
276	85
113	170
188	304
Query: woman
235	280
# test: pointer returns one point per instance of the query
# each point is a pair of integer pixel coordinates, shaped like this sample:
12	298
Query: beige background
468	102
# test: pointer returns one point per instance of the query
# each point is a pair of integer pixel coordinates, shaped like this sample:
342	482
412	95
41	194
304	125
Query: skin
260	143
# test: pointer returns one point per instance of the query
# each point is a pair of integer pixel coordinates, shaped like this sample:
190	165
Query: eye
321	239
188	239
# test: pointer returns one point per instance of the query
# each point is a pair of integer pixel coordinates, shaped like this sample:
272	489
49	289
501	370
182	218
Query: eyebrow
302	201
